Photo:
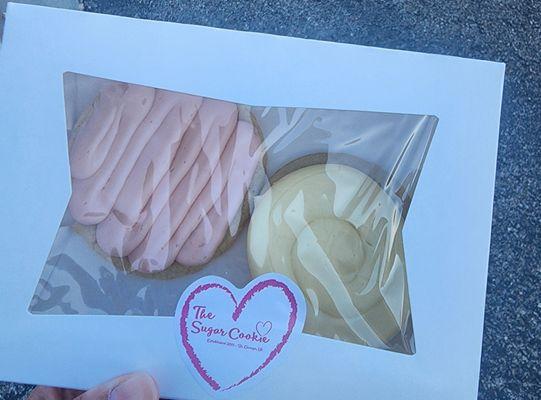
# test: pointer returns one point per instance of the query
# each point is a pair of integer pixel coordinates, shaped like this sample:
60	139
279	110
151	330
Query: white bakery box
241	215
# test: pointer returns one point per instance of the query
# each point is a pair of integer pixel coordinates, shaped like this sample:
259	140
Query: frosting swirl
337	233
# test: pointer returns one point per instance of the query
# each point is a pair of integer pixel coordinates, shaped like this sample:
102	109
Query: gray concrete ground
500	30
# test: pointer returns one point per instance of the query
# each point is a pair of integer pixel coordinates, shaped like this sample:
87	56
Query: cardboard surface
446	235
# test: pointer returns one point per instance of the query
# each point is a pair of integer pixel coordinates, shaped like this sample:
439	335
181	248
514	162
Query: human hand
134	386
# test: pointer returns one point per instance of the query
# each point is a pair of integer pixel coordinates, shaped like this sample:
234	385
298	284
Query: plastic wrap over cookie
160	175
335	232
332	215
168	187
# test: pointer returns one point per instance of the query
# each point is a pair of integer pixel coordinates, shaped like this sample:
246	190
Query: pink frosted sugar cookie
166	239
122	231
162	175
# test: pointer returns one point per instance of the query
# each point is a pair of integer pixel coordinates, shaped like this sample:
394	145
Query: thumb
134	386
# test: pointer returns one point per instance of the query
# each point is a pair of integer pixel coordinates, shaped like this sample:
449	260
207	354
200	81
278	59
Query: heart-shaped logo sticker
229	337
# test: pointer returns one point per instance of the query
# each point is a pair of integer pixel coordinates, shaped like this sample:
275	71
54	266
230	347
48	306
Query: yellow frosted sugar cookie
337	233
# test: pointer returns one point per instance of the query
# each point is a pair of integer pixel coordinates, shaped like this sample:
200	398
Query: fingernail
137	387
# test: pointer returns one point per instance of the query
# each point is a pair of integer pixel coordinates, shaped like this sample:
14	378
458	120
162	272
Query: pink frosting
118	234
150	254
94	138
157	253
93	198
155	162
162	174
204	240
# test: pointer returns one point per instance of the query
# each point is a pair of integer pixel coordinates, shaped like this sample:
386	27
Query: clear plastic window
169	187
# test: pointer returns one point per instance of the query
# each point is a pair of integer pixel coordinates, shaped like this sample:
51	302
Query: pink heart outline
239	307
263	325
